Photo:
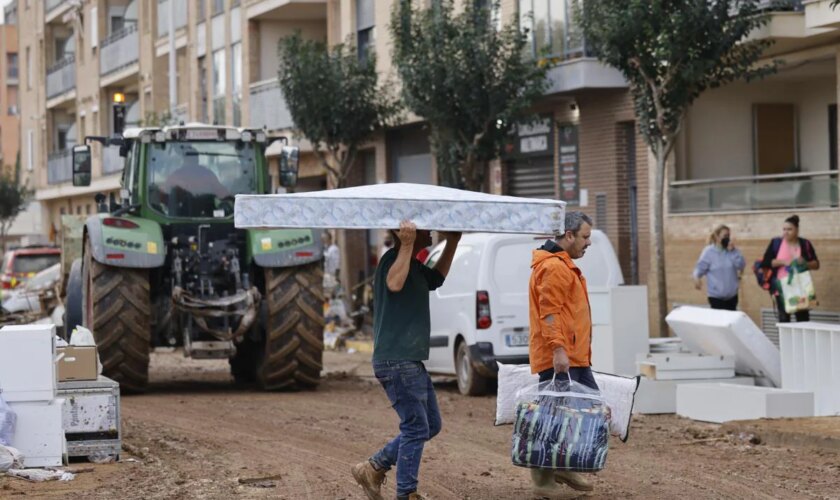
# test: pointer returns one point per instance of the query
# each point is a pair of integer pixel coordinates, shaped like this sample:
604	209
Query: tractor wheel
117	309
291	357
243	364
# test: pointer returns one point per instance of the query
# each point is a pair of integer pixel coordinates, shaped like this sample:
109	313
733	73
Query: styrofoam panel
811	361
660	396
687	361
728	333
27	363
719	403
39	433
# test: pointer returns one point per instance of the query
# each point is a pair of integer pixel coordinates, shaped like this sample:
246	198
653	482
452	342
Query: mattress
384	206
729	333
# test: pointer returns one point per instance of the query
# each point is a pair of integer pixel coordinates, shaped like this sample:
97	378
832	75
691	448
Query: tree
13	200
468	79
671	51
335	100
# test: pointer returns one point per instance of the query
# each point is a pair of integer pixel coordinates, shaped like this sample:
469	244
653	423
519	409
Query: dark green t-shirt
401	324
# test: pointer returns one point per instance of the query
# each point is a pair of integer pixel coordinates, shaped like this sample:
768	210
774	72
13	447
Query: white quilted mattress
384	206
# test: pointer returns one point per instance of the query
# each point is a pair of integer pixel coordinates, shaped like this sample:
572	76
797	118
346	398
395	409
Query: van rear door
507	285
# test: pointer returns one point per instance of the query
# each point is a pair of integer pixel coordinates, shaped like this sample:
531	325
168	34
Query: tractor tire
292	354
117	308
73	299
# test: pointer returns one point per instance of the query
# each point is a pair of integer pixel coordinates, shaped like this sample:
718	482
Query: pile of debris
36	302
54	404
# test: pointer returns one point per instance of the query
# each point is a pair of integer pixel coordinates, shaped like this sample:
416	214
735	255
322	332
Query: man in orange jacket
561	326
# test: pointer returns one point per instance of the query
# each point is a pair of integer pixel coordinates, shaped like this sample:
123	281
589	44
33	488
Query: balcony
120	50
61	76
762	192
59	167
112	162
268	107
54	9
163	17
12	75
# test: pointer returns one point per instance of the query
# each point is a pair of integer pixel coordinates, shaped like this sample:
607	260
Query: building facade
9	83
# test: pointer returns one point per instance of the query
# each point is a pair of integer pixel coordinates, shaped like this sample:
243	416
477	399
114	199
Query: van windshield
199	178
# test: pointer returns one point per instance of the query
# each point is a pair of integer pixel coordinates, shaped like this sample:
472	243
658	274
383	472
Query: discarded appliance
685	366
811	362
384	206
729	333
39	433
619	328
720	403
27	363
91	417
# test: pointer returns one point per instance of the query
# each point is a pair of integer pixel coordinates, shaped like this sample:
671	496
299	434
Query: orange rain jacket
559	311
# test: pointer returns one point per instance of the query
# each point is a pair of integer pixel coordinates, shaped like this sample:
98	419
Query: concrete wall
270	33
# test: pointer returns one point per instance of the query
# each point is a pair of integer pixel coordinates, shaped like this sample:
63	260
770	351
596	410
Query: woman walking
722	264
781	253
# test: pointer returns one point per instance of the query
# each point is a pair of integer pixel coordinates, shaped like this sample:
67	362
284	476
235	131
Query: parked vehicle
20	264
480	315
27	298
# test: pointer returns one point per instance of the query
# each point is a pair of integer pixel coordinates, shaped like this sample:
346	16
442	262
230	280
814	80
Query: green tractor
167	267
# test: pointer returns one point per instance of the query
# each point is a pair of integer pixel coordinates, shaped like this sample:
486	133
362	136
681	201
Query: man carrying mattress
402	332
561	326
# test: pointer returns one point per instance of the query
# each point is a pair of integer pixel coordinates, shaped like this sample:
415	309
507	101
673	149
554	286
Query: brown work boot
543	484
369	479
574	480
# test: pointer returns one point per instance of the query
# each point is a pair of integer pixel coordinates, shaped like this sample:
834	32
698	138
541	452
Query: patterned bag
797	290
565	428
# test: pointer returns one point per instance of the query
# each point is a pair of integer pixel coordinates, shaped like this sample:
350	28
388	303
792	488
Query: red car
20	264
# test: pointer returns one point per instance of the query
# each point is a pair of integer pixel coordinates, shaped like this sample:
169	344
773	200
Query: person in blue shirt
722	264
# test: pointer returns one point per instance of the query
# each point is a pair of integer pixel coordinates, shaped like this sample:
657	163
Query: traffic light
119	112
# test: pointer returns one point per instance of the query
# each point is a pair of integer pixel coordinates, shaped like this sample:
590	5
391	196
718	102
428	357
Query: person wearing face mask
722	264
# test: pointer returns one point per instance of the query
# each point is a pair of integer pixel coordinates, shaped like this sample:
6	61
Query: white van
480	315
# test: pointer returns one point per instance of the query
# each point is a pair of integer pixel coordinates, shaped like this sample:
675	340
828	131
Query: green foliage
672	51
13	199
335	99
153	119
467	79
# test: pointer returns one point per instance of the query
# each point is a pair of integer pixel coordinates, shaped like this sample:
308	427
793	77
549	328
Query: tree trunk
659	244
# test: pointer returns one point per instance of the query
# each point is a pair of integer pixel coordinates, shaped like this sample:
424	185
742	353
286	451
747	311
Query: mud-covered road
196	436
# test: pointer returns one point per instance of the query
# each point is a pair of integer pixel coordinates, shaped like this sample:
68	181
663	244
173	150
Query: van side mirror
289	164
81	166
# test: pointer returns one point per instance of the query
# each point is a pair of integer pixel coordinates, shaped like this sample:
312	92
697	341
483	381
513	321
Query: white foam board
685	366
39	433
660	396
728	333
811	362
719	403
384	206
27	363
620	329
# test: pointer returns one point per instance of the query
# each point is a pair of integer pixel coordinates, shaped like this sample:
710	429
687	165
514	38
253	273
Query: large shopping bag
797	289
565	428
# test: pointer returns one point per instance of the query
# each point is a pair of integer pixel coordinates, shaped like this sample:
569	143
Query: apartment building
9	80
752	154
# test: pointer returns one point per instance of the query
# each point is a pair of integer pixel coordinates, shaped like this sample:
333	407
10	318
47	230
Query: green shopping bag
797	289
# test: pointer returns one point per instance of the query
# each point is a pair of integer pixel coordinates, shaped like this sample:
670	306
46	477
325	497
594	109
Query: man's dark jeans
580	374
410	391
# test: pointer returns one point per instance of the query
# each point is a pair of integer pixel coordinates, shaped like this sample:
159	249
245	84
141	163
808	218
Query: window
218	6
61	139
365	27
30	149
219	79
202	10
117	23
236	73
202	90
12	65
28	68
774	128
552	29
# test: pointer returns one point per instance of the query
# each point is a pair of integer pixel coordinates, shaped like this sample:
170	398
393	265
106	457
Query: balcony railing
555	34
59	167
61	76
163	16
120	50
50	5
111	160
268	106
762	192
780	5
11	74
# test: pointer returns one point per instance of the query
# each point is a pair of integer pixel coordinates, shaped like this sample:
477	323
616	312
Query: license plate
516	340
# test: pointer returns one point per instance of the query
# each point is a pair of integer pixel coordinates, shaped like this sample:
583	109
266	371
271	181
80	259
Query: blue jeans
409	388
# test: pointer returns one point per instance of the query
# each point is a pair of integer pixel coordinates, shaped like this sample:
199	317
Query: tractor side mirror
81	166
289	163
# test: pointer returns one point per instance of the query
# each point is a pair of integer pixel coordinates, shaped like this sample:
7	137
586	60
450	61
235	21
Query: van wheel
470	383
